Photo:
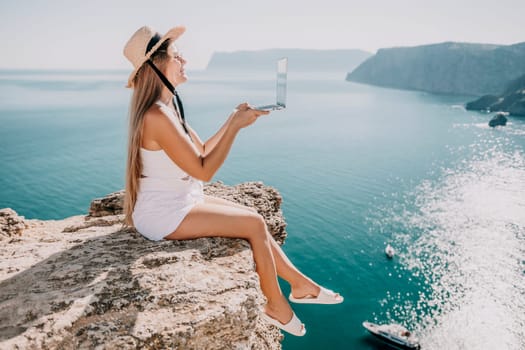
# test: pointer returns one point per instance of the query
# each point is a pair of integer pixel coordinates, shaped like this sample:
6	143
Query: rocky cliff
86	282
450	68
511	101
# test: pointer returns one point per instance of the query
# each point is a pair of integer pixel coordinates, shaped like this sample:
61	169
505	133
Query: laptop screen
282	68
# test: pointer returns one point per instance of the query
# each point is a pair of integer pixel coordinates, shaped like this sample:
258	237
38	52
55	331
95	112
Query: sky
74	34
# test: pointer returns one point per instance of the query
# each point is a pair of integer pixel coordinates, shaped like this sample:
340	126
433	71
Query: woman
168	162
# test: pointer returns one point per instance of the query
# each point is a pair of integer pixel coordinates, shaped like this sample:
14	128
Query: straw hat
136	47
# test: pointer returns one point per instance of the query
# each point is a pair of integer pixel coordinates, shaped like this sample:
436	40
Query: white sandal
326	296
294	326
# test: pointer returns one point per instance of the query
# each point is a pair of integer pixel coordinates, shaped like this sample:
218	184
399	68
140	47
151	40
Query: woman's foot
281	315
305	288
280	310
308	289
294	327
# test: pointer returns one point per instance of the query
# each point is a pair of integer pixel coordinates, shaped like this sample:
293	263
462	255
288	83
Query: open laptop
282	70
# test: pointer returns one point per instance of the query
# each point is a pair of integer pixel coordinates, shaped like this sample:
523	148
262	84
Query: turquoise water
358	167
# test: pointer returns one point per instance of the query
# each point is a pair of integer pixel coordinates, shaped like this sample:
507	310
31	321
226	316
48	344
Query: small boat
389	251
394	335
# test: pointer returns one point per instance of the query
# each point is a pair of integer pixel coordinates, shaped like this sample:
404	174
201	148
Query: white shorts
158	213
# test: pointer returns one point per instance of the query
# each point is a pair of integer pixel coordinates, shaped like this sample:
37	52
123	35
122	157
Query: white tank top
160	173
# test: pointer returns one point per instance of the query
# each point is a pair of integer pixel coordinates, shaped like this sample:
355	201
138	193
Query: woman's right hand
244	115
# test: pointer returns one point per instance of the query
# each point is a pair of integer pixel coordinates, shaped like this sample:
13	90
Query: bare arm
196	140
212	141
186	154
205	148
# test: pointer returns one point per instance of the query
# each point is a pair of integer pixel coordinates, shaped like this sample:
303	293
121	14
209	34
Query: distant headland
512	100
453	68
302	60
447	68
493	73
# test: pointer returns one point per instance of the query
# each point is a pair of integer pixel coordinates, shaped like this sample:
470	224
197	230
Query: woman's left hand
244	115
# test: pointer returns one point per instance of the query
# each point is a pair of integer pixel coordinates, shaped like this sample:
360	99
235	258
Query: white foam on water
460	107
466	240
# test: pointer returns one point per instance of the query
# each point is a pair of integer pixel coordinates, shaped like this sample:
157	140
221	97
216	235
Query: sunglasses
173	49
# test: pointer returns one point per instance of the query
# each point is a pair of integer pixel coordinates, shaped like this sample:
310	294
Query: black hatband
176	100
152	42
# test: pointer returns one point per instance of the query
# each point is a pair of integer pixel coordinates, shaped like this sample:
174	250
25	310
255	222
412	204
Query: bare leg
209	220
301	285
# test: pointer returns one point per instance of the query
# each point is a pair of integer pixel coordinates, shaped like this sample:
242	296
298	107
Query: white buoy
389	251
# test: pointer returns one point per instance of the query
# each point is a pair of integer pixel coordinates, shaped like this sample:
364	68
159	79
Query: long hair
147	88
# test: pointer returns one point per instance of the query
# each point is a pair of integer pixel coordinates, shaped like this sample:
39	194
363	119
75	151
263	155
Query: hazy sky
92	33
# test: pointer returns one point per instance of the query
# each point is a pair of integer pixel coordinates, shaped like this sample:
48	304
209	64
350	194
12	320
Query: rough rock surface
511	101
87	282
10	223
498	119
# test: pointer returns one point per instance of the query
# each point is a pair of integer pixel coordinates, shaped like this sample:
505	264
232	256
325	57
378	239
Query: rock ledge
86	282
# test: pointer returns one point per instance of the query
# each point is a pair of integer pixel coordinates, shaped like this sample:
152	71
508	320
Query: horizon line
204	68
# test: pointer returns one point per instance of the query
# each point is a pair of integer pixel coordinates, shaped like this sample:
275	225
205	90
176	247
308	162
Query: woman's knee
258	229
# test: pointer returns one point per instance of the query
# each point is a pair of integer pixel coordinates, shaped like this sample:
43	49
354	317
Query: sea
358	166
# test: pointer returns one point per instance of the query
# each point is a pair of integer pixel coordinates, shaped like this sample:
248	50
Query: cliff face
511	101
85	282
451	68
